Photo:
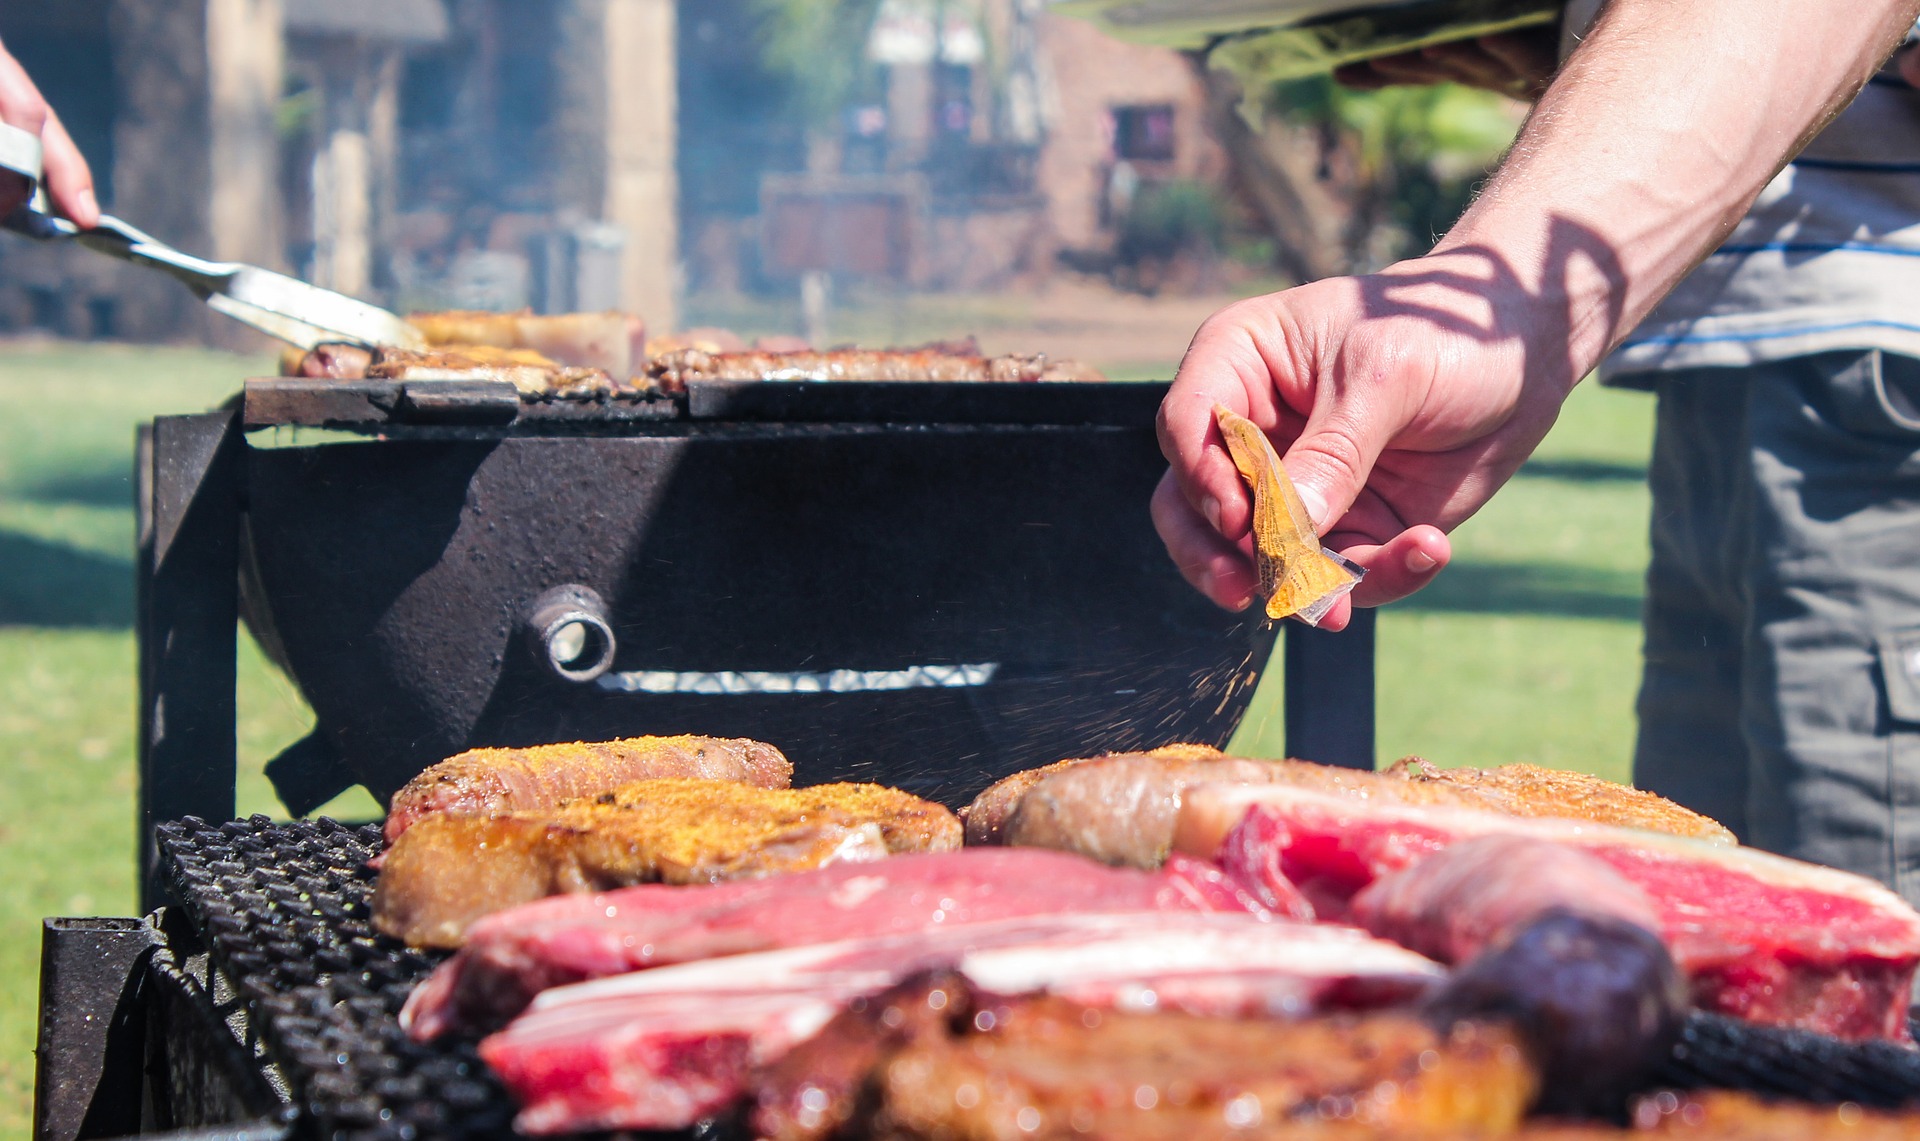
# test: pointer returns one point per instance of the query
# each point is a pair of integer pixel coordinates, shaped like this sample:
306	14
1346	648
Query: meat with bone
1121	808
484	782
1758	936
936	1059
514	955
450	869
672	371
660	1049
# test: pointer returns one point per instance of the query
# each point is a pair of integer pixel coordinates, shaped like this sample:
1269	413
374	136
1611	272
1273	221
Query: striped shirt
1827	259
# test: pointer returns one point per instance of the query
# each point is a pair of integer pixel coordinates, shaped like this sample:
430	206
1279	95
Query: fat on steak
450	870
513	955
485	782
1758	936
661	1049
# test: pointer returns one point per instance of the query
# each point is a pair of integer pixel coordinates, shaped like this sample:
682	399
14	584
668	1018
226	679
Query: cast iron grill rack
283	912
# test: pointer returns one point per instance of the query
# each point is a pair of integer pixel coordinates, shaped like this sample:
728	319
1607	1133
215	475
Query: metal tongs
279	306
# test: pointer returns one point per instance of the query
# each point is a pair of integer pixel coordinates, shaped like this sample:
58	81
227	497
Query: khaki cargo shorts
1781	691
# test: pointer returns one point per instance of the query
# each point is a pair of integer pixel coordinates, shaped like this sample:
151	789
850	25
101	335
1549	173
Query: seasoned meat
671	371
328	362
489	781
987	817
1529	790
449	869
1121	809
531	373
513	955
1758	936
612	343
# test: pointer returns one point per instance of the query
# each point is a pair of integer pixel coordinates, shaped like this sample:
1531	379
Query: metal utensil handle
22	152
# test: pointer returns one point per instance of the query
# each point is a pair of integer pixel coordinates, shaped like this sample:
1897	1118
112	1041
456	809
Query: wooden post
642	188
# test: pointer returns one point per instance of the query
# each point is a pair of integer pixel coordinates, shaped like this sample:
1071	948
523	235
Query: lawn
1524	650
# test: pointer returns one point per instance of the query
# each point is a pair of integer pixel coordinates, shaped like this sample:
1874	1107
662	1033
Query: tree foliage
819	48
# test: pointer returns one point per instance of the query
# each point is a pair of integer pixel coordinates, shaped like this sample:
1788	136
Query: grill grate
284	909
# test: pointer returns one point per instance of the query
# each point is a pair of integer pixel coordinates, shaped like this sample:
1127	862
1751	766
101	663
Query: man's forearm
1651	144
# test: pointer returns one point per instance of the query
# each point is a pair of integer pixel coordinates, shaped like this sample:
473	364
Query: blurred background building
585	154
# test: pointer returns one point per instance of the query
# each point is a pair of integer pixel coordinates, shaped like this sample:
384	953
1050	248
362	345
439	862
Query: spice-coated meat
1758	936
613	343
492	781
514	955
450	869
1529	790
673	370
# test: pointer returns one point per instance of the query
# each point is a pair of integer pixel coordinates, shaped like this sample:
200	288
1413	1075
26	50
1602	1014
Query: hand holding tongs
280	306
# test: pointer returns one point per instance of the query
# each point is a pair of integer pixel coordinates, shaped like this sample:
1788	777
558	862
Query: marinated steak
514	955
450	869
484	782
1758	936
660	1049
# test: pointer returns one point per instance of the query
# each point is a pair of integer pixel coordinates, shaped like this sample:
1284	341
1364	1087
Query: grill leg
1329	693
188	474
90	1060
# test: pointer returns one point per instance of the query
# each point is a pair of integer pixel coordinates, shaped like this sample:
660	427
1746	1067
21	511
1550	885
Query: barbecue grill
848	570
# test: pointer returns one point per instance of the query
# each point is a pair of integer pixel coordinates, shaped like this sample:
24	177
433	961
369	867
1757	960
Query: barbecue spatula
279	306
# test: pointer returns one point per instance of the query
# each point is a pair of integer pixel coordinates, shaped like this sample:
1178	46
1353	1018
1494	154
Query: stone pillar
642	192
354	164
195	147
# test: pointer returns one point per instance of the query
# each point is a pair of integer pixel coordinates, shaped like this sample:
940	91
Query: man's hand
1515	64
1401	400
69	180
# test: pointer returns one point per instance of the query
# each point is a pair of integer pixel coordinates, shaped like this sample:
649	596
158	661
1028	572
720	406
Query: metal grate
284	911
283	908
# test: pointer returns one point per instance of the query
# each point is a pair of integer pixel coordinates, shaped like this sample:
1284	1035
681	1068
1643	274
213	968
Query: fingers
1529	59
1222	366
1398	567
1215	567
69	178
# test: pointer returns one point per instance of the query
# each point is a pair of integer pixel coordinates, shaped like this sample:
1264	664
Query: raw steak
513	955
1758	936
660	1049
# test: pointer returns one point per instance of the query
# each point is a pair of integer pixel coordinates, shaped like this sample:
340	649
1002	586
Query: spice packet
1299	578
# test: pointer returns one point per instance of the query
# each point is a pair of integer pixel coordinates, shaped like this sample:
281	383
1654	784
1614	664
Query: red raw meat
661	1049
1758	936
513	955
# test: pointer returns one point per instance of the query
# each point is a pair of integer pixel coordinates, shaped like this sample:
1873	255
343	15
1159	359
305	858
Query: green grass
1525	649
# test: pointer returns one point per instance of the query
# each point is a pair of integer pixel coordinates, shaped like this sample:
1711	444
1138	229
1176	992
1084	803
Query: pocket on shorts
1900	666
1896	389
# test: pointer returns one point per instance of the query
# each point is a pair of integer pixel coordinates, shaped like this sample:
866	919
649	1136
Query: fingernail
1210	507
1242	603
1420	562
1315	503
